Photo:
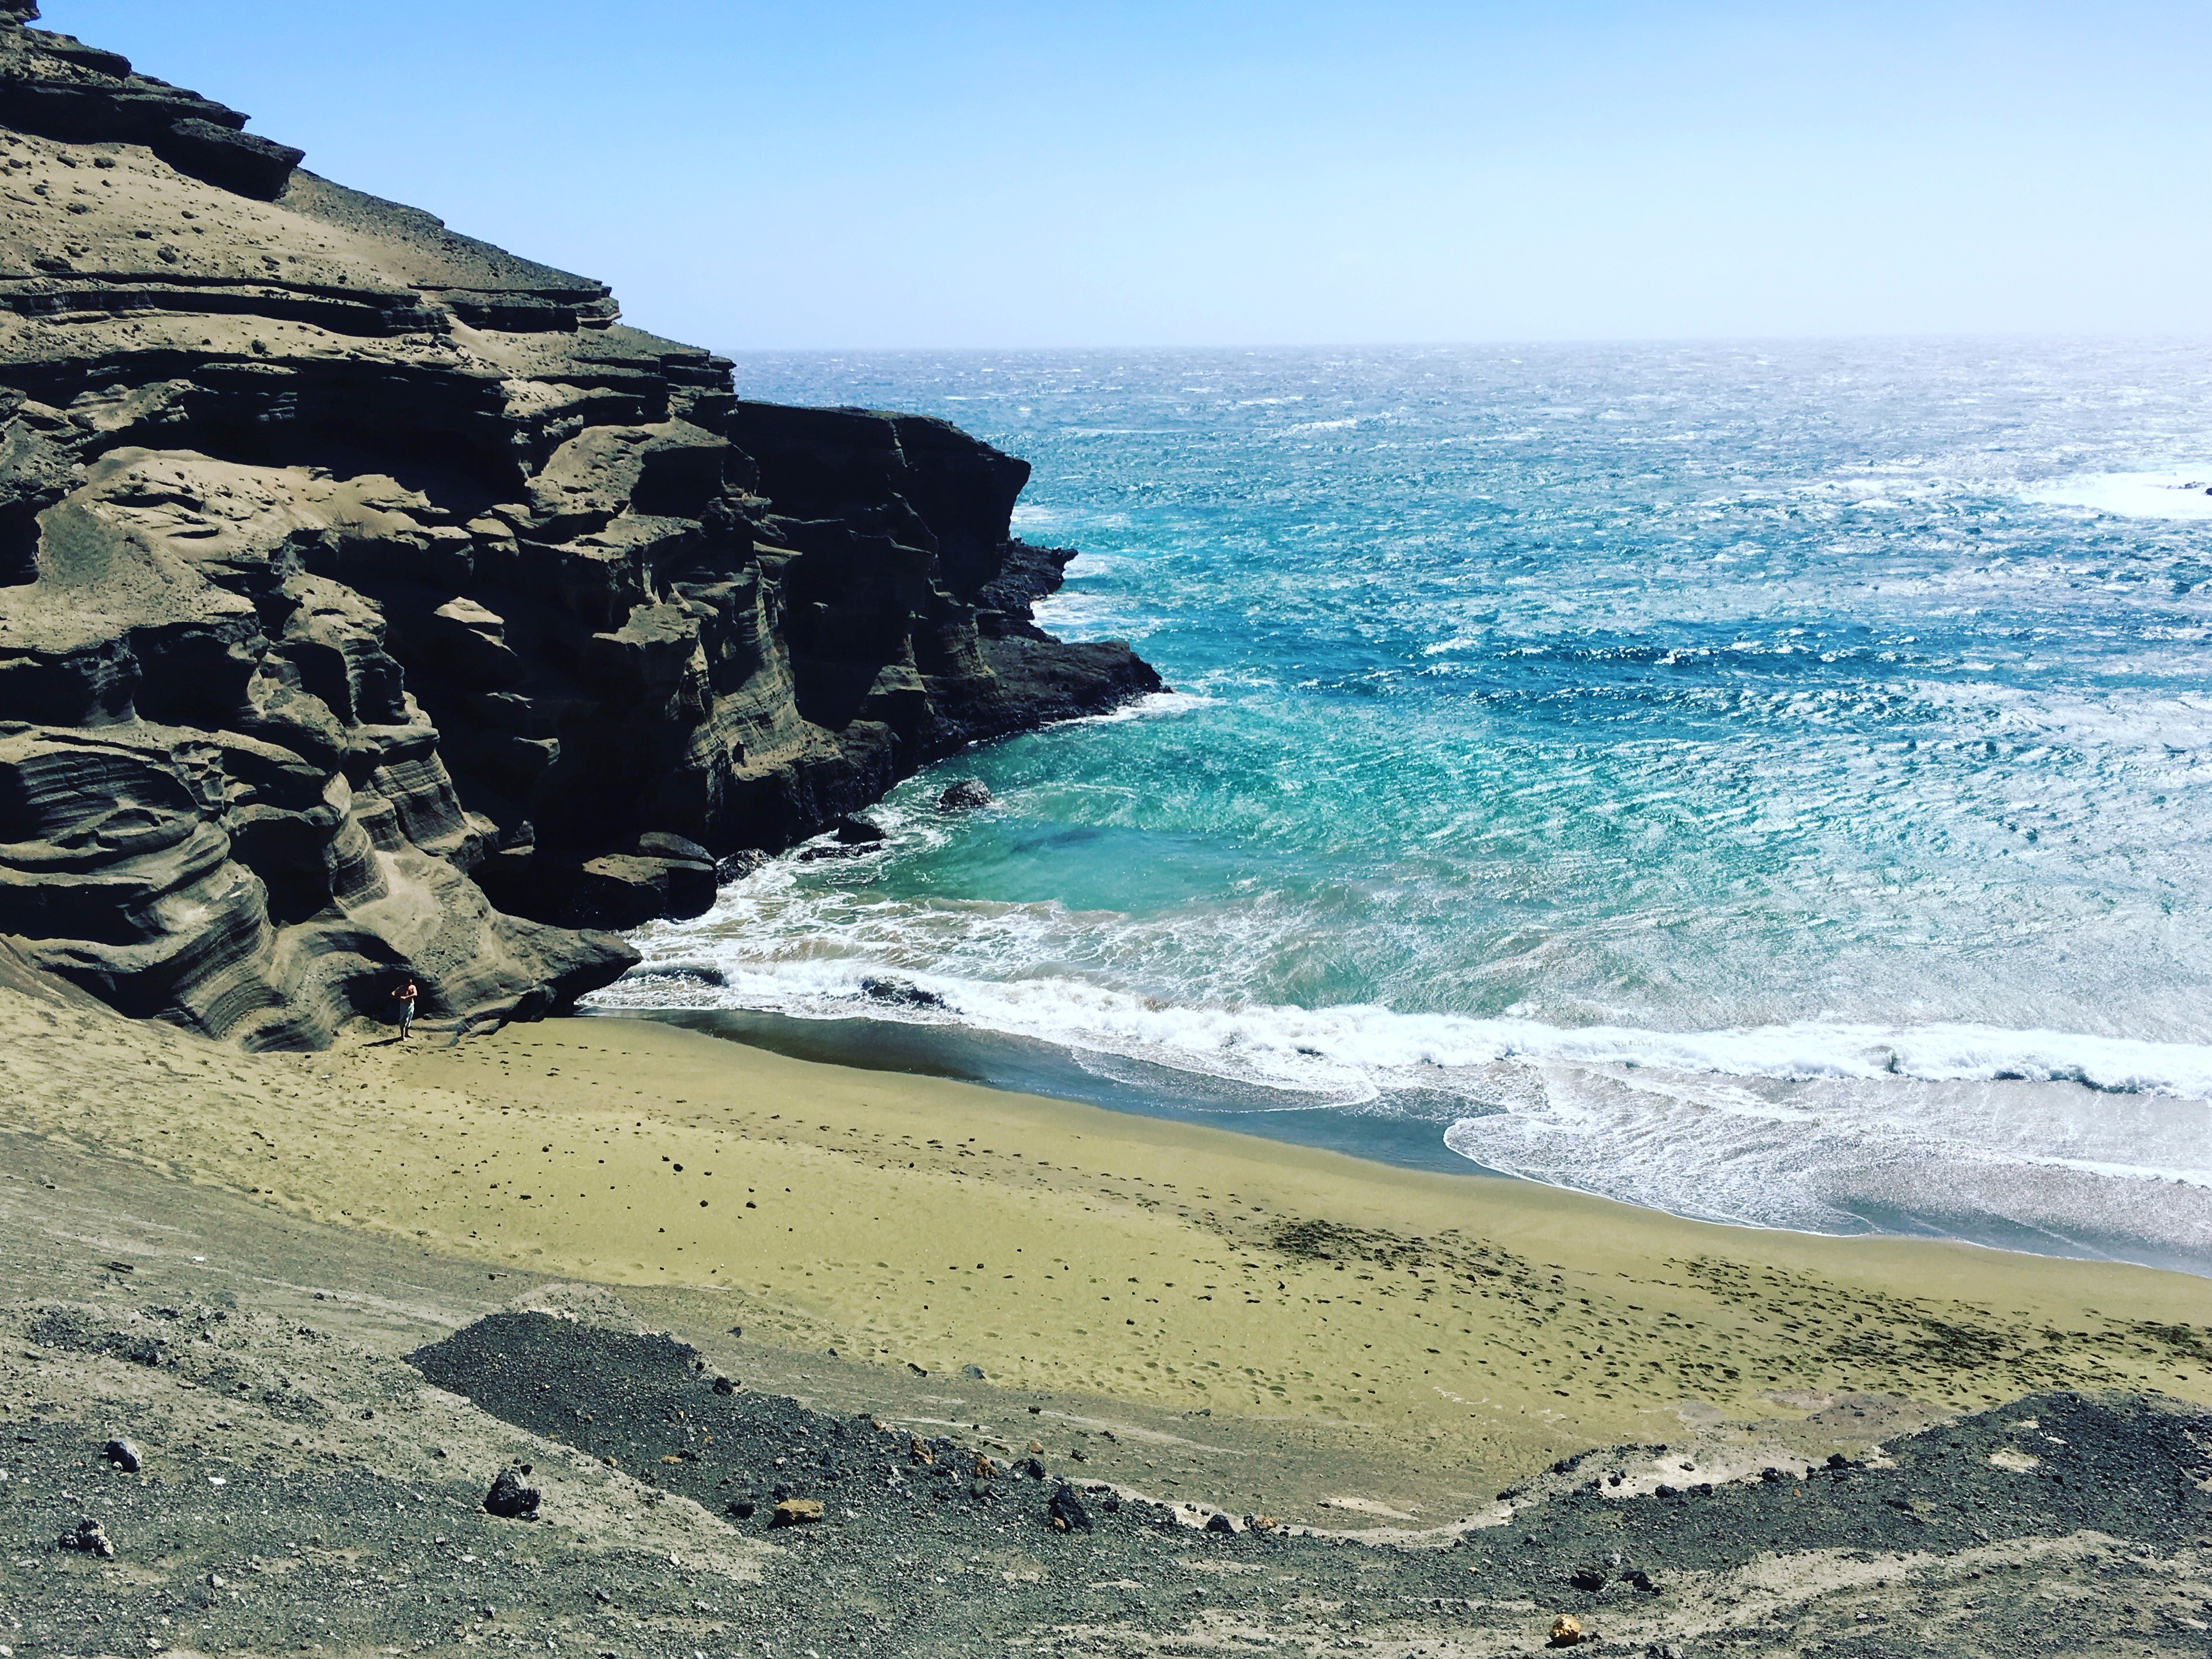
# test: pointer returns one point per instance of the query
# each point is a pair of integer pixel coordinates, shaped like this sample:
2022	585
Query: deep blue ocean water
1765	783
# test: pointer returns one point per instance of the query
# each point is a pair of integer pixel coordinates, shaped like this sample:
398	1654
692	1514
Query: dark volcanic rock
622	890
1065	1511
2024	1529
965	796
54	85
372	599
736	866
89	1537
900	993
509	1498
660	844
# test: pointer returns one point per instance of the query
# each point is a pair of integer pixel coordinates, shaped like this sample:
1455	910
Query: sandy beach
1310	1401
920	1226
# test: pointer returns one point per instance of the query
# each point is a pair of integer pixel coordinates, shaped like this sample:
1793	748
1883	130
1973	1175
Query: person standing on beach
404	996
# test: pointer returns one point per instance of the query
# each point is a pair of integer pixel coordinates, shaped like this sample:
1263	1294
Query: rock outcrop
371	596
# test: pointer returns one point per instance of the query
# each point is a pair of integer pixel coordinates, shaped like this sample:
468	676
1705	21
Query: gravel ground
318	1420
932	1543
296	1492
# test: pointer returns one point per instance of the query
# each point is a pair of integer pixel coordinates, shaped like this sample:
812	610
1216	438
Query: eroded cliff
371	596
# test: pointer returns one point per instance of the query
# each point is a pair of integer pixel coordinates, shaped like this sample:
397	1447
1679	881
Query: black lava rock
660	844
899	992
89	1537
510	1499
737	865
1065	1511
965	796
2131	1469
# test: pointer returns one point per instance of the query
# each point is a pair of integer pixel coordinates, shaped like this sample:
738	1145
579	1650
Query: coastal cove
662	1001
1762	782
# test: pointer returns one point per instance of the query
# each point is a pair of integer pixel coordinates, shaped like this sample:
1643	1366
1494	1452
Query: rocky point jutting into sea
370	595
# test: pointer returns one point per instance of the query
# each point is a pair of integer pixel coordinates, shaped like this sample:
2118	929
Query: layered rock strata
371	597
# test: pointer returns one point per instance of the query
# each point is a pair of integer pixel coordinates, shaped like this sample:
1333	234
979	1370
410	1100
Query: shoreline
1025	1066
1444	1333
1006	1064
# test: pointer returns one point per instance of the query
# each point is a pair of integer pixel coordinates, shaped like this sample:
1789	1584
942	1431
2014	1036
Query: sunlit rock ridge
372	598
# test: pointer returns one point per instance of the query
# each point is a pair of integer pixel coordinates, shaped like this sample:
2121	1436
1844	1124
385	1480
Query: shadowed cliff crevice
372	598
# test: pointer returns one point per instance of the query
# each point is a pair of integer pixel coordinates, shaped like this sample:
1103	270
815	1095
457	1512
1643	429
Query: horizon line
1258	348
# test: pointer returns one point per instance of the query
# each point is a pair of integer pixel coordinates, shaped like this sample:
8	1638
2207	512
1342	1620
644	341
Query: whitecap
1153	705
2019	1163
2131	494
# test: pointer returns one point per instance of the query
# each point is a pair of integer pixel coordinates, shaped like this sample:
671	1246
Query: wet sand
915	1224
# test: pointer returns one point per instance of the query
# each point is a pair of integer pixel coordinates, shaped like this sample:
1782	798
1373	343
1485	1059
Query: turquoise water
1764	783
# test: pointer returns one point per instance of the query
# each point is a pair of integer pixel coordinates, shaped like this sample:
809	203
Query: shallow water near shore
1763	784
1028	1066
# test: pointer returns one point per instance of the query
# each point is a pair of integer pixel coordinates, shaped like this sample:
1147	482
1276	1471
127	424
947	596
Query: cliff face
371	596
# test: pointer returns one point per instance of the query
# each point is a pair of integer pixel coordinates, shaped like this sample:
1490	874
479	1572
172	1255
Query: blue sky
940	175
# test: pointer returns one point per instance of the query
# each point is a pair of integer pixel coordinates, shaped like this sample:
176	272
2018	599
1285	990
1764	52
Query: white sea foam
2020	1163
2069	1141
2131	494
1153	705
1366	1049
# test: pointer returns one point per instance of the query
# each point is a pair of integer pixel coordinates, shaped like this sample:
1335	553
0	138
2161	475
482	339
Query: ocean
1767	783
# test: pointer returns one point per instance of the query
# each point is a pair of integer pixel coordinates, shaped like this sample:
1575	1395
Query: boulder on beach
628	890
660	844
